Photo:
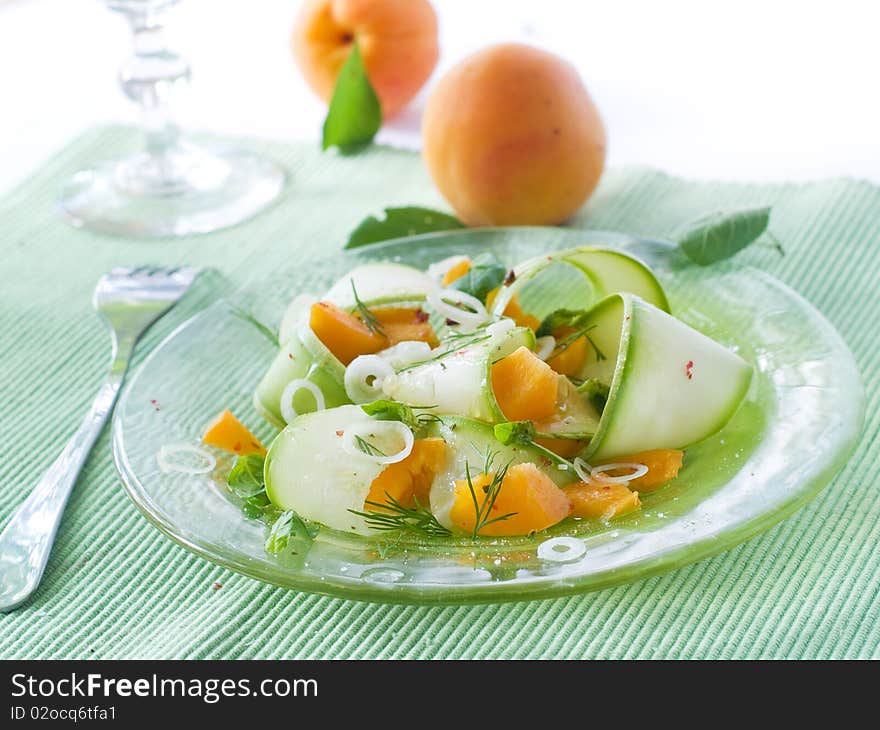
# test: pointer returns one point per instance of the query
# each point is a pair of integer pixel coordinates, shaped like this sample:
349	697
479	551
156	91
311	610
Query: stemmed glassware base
172	187
186	189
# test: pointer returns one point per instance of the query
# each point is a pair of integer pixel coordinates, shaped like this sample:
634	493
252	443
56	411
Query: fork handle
27	539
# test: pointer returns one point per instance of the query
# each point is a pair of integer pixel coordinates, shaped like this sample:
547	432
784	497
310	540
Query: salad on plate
477	401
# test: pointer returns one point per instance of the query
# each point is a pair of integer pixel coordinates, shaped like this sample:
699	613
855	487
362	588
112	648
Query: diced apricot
526	493
514	311
571	360
525	386
228	433
403	324
456	272
663	465
521	317
347	336
601	499
410	479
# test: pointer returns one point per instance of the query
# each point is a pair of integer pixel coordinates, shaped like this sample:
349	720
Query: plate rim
502	591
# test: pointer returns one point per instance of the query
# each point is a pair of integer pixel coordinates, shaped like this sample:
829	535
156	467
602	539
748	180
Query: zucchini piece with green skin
303	355
459	382
380	284
605	270
308	470
669	385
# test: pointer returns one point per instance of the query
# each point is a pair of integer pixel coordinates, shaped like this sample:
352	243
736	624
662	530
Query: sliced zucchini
606	271
456	380
296	314
308	470
380	283
669	386
304	356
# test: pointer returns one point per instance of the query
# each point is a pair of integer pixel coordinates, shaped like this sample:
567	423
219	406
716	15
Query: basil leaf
400	222
486	273
355	114
289	527
561	318
515	432
720	235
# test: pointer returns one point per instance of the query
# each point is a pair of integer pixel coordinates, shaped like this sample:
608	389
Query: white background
739	89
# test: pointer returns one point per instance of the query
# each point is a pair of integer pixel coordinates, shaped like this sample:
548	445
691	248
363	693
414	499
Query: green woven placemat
117	588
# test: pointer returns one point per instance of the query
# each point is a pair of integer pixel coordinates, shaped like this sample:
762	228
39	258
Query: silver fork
129	300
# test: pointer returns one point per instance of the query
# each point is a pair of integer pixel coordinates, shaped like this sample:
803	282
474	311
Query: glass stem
148	78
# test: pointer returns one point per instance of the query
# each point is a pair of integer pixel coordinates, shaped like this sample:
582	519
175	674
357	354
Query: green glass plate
796	430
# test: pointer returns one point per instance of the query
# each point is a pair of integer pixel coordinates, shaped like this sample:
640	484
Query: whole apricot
397	40
511	137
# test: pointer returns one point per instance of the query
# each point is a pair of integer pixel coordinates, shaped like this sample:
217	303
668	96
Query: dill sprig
369	319
483	508
569	340
393	516
458	345
367	447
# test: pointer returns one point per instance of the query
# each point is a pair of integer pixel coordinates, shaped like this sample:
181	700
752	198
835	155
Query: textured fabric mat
116	588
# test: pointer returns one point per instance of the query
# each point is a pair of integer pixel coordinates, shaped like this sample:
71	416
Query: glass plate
797	428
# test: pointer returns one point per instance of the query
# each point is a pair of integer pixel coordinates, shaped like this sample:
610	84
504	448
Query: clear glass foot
185	190
172	187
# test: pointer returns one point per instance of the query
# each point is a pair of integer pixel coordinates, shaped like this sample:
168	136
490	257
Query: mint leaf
515	432
400	222
246	482
246	477
720	235
355	114
486	273
595	393
289	527
389	410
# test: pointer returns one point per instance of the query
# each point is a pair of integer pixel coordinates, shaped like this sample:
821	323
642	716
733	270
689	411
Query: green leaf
720	235
288	528
486	273
515	432
246	476
400	222
246	482
595	393
389	410
562	318
355	114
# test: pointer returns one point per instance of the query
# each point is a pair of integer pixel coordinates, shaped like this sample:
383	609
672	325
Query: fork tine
180	274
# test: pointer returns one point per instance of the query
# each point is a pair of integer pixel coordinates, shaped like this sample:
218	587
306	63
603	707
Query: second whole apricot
512	137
